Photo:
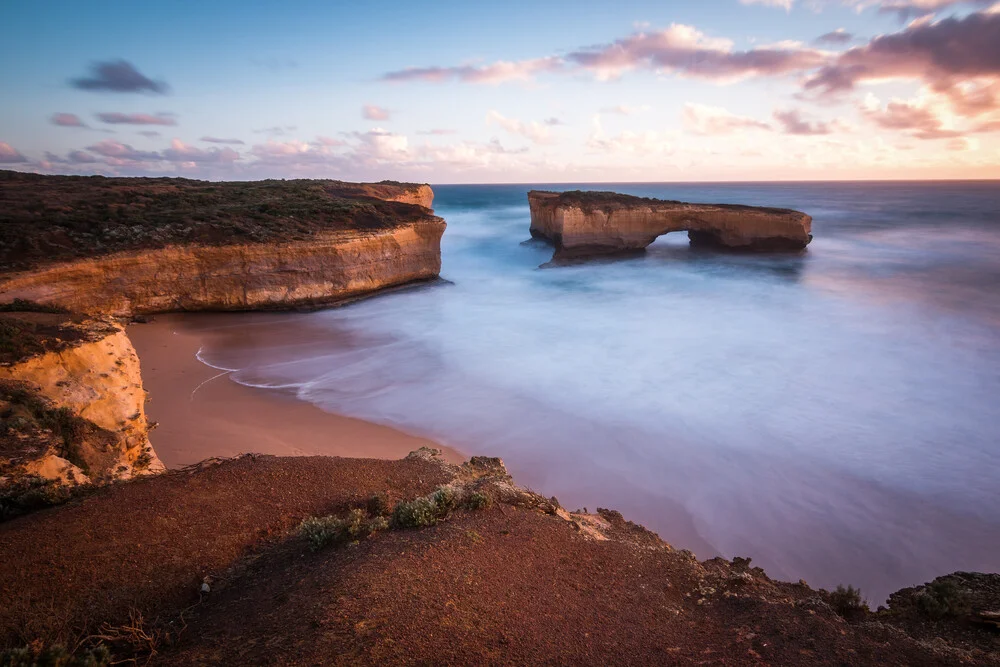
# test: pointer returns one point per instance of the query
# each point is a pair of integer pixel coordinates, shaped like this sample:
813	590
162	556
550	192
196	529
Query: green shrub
478	501
943	597
378	505
847	601
331	530
416	513
55	656
444	498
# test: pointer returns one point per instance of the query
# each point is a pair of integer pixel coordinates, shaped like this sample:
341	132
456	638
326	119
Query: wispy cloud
181	152
118	76
498	72
67	120
949	55
117	118
783	4
791	122
533	131
835	37
374	112
217	140
711	121
10	155
437	132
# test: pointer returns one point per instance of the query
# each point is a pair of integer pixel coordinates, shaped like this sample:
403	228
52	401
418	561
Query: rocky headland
582	223
326	560
122	246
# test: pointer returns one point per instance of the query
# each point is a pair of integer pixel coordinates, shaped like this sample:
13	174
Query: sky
511	92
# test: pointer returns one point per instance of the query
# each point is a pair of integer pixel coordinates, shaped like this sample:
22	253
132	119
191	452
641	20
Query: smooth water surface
835	414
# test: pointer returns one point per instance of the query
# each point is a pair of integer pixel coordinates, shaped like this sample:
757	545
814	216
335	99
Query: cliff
419	562
593	222
71	402
128	246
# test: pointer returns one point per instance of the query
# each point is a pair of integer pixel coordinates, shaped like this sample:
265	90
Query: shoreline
201	413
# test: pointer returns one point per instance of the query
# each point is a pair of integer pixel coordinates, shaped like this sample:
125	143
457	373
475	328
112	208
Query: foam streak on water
833	415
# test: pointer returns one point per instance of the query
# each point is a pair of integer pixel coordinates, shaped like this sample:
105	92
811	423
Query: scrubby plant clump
331	530
943	597
847	601
426	510
478	501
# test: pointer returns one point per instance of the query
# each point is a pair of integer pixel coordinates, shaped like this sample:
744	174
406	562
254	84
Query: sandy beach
201	413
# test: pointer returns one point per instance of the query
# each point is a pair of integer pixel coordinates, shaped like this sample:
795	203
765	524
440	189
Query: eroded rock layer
583	222
71	402
324	269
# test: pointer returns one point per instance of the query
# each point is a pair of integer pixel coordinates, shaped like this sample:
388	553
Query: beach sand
201	413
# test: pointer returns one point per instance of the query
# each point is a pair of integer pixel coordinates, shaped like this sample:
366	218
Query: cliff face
74	412
582	222
323	269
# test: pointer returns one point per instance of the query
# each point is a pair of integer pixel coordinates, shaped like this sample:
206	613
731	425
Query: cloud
328	141
919	118
437	132
712	121
784	4
217	140
553	121
908	9
148	133
949	55
10	155
373	112
684	50
533	131
117	118
67	120
626	110
838	36
181	152
277	130
118	151
791	122
74	157
118	76
498	72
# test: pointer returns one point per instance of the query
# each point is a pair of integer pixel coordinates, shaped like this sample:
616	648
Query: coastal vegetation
45	219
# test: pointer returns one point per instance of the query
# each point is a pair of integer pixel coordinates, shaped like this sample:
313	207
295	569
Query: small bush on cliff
30	493
847	601
478	501
426	510
378	505
943	597
331	530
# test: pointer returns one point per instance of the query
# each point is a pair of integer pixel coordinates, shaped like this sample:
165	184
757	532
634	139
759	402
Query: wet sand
201	413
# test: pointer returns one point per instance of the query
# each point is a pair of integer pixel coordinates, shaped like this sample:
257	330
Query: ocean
834	415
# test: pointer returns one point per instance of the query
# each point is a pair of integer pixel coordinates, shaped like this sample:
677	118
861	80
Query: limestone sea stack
580	223
127	246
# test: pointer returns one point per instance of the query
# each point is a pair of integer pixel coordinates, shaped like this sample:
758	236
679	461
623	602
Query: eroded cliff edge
125	246
71	406
580	222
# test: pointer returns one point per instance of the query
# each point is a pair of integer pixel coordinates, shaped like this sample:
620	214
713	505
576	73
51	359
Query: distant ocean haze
833	414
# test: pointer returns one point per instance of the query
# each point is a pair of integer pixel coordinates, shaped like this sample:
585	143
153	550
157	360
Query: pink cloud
792	122
712	121
67	120
949	55
181	152
110	148
498	72
10	155
373	112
